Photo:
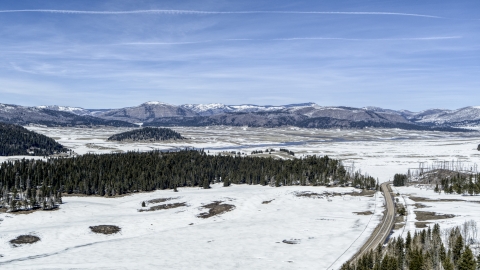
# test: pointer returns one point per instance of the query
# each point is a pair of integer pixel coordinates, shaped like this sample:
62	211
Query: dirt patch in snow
419	205
216	208
364	192
105	229
267	202
421	225
161	200
422	199
364	213
24	239
423	216
308	194
163	207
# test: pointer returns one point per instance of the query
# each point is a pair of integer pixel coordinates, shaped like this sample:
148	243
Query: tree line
460	184
17	140
425	250
147	134
121	173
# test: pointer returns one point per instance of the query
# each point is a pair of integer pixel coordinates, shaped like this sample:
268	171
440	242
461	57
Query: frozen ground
379	152
249	237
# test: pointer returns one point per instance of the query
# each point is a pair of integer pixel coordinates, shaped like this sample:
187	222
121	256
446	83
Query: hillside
147	134
309	115
16	140
53	116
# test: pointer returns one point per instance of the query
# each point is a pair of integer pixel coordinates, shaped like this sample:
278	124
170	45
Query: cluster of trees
257	152
116	174
399	180
28	197
287	151
425	250
17	140
460	184
147	134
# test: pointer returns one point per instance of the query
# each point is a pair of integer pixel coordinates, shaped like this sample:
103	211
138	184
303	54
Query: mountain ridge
309	114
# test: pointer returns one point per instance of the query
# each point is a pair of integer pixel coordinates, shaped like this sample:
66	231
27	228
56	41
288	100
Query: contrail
200	12
288	39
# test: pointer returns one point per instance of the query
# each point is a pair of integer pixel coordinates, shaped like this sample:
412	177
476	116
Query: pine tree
206	183
467	261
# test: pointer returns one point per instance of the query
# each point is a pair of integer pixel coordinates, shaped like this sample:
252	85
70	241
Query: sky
412	55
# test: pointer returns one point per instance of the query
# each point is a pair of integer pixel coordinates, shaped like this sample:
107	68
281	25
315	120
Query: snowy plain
250	236
378	152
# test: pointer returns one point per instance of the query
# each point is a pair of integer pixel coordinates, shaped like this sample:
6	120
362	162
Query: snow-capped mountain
74	110
441	117
218	108
156	113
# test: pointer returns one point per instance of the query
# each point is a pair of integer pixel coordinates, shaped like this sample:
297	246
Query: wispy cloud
201	12
292	39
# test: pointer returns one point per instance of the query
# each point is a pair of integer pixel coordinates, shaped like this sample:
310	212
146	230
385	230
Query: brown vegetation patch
216	208
364	213
24	239
163	207
422	199
308	194
161	200
24	212
364	192
421	224
419	205
423	216
105	229
267	202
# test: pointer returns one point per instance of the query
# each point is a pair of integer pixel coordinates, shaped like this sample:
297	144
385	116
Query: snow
464	207
249	237
379	152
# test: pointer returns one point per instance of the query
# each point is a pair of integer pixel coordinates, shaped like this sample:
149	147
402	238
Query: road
382	231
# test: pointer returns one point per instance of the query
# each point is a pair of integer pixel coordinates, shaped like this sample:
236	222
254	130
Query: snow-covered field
248	237
464	207
378	152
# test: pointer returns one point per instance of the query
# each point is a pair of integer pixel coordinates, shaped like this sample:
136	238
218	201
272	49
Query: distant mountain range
309	115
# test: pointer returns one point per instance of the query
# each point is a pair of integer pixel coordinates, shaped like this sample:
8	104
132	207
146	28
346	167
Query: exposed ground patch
364	192
419	205
24	239
216	208
422	199
421	224
308	194
364	213
423	216
24	212
105	229
291	241
267	202
161	200
163	207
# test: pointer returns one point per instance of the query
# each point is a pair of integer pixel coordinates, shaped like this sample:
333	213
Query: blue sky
108	54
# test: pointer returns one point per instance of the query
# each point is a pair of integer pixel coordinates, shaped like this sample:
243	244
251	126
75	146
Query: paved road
382	231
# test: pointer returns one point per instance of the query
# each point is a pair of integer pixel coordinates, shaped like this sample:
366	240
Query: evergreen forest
460	184
147	134
424	251
121	173
17	140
